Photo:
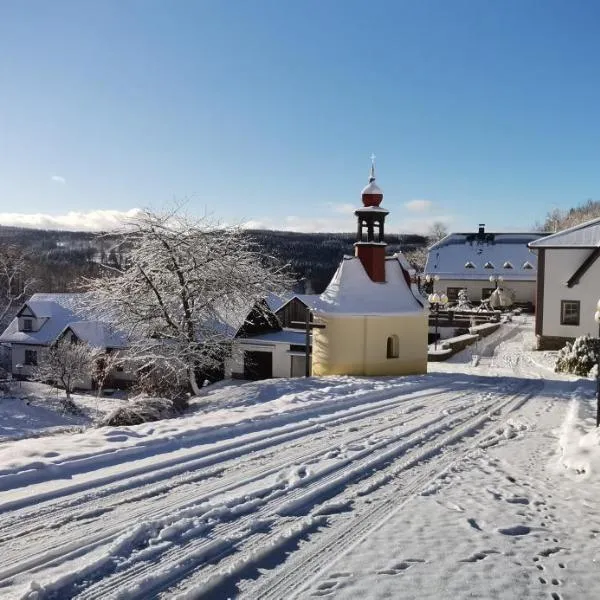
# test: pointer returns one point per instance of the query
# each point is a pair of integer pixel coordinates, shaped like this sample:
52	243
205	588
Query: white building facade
568	284
468	260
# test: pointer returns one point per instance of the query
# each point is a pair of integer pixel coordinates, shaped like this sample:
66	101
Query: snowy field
36	409
478	480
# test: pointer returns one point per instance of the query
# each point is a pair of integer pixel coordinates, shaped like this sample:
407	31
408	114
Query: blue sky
268	111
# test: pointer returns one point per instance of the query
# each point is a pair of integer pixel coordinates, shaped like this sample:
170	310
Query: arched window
393	346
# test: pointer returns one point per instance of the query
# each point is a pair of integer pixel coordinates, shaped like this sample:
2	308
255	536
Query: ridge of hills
60	258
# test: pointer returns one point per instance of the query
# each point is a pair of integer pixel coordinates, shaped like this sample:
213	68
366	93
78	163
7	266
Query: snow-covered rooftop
477	256
353	292
57	313
55	310
584	235
98	334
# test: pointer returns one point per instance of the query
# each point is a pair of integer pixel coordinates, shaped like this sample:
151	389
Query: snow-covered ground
35	409
478	480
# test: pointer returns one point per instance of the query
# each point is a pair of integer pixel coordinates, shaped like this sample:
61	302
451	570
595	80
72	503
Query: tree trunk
194	383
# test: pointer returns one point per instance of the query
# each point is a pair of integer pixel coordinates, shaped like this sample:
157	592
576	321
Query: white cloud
58	179
419	205
342	209
308	224
394	224
94	220
422	225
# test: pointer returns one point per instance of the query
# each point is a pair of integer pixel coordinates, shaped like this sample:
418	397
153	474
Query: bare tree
417	258
557	220
436	232
16	282
104	365
183	283
66	363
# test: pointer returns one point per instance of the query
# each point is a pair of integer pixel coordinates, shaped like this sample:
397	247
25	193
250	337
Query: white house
568	286
45	318
467	260
263	348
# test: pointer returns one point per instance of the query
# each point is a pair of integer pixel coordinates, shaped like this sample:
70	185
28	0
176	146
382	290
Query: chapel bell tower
370	243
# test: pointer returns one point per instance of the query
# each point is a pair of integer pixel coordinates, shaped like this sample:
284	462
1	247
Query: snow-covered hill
472	481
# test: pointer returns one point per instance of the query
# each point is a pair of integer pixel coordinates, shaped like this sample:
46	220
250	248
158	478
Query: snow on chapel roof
372	188
352	292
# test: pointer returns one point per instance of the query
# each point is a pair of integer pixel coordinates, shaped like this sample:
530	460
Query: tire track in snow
57	552
133	488
239	533
298	574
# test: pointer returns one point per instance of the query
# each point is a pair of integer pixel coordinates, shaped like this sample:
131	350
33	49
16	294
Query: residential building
568	286
43	320
262	348
467	260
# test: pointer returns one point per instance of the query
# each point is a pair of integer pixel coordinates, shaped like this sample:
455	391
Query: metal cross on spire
372	177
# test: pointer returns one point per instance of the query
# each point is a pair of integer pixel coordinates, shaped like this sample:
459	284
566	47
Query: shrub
143	410
578	357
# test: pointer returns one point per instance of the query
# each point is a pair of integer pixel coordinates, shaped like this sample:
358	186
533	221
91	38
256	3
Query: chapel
373	320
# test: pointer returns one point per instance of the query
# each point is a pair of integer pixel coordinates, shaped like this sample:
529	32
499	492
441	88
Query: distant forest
58	260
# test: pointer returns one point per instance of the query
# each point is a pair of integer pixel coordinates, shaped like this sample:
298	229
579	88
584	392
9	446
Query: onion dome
371	193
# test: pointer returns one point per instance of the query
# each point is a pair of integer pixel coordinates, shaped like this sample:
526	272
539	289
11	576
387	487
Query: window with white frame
569	312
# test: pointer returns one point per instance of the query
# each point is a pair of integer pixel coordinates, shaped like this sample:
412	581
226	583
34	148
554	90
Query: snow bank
579	439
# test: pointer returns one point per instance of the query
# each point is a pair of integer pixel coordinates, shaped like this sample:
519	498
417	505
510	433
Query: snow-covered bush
578	357
463	301
142	410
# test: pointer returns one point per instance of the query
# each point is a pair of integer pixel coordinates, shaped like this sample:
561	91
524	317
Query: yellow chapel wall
358	345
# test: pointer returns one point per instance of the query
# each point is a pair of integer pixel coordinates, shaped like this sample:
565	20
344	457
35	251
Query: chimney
481	228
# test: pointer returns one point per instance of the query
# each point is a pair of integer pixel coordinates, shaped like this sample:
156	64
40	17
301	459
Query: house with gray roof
264	348
46	318
468	260
568	286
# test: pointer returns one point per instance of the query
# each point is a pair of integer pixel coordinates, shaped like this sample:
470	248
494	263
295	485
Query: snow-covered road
288	488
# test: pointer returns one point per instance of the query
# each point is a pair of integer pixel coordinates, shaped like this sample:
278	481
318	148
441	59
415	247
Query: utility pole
308	326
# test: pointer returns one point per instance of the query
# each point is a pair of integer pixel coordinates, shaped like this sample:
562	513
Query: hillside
557	220
59	258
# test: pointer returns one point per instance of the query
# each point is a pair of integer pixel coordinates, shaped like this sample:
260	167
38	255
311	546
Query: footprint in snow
517	500
479	556
400	567
326	588
516	530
